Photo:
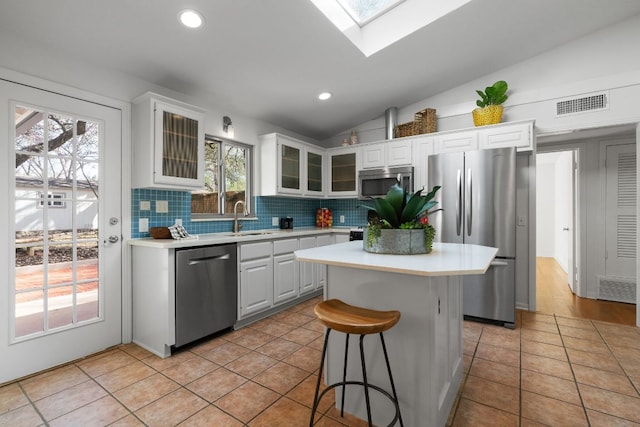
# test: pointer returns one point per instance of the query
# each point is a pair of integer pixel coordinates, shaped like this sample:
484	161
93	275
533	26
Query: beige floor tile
11	397
302	336
216	384
318	343
546	365
247	401
171	409
585	334
315	325
296	319
106	362
211	416
251	364
471	334
52	382
466	362
160	364
541	336
135	351
69	399
551	412
279	348
492	394
605	362
304	393
540	326
504	341
281	377
253	339
25	416
125	376
225	353
146	391
544	349
528	316
608	402
475	414
623	341
102	412
498	354
128	421
598	419
604	379
208	345
574	322
272	327
586	345
497	372
614	329
550	386
469	347
285	412
190	370
306	358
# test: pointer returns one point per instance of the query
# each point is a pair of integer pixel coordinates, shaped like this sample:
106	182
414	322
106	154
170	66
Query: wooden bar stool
349	319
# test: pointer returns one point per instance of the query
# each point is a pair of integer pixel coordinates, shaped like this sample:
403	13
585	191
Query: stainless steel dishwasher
206	291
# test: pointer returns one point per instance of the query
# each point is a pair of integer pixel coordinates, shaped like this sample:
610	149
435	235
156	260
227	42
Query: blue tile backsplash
302	210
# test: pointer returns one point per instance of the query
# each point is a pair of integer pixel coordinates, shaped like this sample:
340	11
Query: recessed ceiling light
191	18
324	96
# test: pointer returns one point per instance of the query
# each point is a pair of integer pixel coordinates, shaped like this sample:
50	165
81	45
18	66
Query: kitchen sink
250	233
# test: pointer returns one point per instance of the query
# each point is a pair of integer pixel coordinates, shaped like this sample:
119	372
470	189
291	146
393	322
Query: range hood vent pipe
390	121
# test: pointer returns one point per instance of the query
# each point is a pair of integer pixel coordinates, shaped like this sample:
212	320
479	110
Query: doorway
64	260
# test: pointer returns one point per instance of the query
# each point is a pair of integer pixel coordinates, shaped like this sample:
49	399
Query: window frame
249	150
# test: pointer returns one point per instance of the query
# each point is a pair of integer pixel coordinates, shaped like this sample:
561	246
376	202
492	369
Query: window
363	11
55	200
227	178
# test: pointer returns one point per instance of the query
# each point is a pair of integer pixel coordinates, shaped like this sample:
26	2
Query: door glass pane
179	146
314	172
343	172
56	220
290	167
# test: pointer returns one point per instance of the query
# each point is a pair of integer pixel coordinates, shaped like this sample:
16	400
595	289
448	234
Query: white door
620	216
61	246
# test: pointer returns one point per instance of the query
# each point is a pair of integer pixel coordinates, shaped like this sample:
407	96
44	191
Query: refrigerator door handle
468	202
495	263
459	202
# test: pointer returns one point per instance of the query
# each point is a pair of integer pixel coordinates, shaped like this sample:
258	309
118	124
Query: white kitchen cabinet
298	167
320	271
307	269
168	143
343	165
457	141
507	135
256	278
423	147
286	277
387	154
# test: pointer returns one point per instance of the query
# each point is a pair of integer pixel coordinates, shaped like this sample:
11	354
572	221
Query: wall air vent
589	103
618	289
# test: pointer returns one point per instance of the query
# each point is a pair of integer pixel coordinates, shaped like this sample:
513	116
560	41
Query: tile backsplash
302	210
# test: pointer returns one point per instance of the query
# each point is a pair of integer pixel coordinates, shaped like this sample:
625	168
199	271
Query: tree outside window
227	179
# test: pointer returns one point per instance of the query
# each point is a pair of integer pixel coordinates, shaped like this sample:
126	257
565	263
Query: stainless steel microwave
376	182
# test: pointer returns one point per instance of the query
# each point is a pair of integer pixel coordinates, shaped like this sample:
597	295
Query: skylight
364	11
372	25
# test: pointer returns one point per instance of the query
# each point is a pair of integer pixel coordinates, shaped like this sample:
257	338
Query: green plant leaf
387	212
395	197
413	207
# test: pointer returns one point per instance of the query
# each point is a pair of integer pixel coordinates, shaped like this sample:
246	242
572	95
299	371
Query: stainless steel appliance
376	182
478	198
206	291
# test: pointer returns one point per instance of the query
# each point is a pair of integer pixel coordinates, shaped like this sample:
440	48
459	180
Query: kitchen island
425	347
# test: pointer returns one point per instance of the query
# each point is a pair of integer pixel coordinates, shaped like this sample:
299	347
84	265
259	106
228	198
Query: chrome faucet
237	226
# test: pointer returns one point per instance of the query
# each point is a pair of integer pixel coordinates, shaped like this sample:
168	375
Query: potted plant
490	109
401	224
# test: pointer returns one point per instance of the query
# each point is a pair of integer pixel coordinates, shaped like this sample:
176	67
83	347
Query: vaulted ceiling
268	59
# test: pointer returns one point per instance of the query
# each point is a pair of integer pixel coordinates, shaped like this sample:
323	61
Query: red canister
324	217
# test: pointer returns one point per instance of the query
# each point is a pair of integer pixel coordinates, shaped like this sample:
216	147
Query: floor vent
589	103
617	289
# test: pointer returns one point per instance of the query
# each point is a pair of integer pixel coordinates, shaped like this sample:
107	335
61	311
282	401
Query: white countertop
446	259
229	237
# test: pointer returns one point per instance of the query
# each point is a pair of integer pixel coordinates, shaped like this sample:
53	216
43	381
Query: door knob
112	239
565	228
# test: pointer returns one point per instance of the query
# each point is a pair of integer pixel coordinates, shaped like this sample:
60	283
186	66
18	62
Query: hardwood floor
553	295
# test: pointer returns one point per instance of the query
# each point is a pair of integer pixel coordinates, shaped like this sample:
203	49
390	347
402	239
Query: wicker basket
424	121
160	232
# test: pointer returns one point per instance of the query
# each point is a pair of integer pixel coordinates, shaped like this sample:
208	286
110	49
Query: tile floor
550	370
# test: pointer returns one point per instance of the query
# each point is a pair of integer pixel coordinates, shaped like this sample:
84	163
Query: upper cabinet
518	135
387	154
168	143
298	167
343	172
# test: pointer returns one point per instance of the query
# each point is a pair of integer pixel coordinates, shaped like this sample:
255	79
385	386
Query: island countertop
446	259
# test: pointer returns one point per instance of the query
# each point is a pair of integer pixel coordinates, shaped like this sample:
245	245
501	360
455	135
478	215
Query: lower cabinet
285	270
256	277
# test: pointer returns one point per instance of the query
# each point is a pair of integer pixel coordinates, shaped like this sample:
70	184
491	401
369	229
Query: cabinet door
290	161
178	146
307	269
285	277
422	149
516	135
315	176
399	153
373	156
457	141
256	285
321	269
343	173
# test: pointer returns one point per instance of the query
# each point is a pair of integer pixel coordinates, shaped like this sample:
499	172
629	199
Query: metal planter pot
396	241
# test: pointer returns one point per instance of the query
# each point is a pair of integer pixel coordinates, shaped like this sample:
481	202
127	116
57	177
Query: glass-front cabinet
168	141
343	172
299	167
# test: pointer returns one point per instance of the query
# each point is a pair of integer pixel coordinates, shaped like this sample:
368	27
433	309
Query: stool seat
349	319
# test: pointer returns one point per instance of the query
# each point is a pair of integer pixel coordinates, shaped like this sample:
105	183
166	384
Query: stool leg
344	373
315	398
393	386
366	384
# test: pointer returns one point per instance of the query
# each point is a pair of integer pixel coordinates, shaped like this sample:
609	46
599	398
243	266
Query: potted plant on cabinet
401	224
490	108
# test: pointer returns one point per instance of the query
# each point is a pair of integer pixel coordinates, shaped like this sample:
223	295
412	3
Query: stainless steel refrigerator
478	198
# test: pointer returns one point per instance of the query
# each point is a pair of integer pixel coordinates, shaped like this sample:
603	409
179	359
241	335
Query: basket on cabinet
424	121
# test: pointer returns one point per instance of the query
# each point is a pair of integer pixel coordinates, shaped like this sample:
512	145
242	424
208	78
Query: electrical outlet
143	225
522	221
274	221
341	219
162	206
145	205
